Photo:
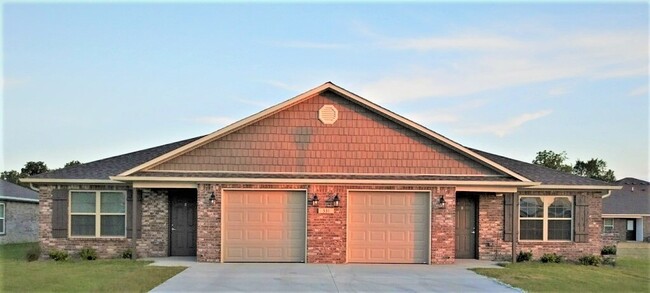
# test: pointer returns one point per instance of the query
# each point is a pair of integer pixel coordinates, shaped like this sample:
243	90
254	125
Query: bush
590	260
608	250
551	258
59	255
128	253
33	254
524	256
609	260
88	253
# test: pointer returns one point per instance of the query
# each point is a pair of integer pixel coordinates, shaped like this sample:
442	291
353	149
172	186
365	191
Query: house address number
325	210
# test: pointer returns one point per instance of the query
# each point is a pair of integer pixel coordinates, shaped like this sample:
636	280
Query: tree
11	176
33	168
552	160
72	163
594	168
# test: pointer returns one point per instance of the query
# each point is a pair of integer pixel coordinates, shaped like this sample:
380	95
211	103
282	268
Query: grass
110	275
629	275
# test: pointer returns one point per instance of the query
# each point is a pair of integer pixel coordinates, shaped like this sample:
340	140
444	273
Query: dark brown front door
182	222
465	227
630	230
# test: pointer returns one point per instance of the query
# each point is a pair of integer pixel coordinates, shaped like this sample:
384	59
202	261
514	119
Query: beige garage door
264	226
388	227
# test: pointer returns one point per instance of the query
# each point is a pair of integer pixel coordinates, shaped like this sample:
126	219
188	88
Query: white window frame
547	201
610	226
4	219
98	214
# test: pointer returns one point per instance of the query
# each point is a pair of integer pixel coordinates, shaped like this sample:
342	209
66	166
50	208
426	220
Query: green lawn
629	275
115	275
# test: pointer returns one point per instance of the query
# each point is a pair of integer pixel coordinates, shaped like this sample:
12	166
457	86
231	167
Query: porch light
336	201
440	203
314	201
212	198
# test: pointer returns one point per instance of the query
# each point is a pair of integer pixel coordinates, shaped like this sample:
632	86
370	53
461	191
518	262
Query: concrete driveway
201	277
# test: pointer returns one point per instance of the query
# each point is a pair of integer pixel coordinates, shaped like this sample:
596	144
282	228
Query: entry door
465	227
630	231
183	224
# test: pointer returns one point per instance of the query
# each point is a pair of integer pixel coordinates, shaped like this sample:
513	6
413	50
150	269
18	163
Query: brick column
208	246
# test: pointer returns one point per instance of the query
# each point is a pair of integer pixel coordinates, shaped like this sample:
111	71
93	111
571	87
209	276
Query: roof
133	165
103	169
542	174
14	192
632	199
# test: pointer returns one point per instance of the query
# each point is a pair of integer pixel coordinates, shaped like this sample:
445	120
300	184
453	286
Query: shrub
128	253
590	260
33	254
59	255
551	258
609	260
88	253
524	256
608	250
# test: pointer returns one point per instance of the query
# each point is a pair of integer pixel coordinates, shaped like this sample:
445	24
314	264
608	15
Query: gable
295	140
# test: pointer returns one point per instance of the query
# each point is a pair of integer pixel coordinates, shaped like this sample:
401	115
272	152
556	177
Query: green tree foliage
594	168
11	176
72	163
552	160
33	168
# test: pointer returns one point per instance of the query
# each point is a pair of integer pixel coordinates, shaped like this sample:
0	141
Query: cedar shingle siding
294	140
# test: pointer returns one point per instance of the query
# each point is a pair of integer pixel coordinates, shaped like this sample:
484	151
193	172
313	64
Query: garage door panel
388	227
272	229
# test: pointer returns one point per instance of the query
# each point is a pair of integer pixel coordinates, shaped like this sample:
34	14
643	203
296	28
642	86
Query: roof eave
574	187
20	199
61	180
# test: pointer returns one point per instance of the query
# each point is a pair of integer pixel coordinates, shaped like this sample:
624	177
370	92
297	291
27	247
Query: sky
88	81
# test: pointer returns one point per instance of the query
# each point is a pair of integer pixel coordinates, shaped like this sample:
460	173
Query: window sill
545	241
97	238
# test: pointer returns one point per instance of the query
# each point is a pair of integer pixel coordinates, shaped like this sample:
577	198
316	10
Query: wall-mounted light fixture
440	203
333	201
314	200
213	199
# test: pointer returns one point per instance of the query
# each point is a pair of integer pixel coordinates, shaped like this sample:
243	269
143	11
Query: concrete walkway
275	277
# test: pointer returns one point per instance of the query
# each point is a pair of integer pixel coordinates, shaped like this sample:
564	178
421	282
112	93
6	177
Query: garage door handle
174	229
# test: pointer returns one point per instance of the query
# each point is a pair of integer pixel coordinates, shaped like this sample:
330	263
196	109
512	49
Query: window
545	218
98	213
608	225
2	218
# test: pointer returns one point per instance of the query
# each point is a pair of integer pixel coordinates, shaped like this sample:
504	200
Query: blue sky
89	81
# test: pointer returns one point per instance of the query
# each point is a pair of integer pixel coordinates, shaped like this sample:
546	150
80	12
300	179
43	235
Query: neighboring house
325	177
18	213
626	212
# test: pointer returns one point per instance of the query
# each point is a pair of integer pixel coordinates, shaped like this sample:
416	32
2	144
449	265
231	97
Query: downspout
31	186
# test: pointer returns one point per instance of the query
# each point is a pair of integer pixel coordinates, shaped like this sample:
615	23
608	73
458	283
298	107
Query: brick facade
21	222
154	241
620	231
326	233
492	246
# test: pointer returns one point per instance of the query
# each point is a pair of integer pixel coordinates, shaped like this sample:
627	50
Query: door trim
223	204
475	199
169	220
347	217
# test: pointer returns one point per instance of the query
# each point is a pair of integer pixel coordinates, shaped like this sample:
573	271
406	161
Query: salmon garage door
388	227
264	226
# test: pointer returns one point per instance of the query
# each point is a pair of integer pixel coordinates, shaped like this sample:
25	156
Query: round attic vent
328	114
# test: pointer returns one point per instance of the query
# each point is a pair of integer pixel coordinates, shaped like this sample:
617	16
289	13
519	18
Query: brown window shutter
129	214
507	216
60	213
581	229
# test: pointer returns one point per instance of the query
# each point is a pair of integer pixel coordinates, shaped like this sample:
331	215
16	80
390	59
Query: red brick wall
294	140
154	240
492	246
326	233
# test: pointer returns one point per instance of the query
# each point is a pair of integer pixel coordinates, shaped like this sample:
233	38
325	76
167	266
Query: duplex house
324	177
18	213
626	212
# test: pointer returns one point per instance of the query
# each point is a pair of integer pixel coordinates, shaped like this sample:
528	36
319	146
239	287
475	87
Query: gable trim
298	99
319	173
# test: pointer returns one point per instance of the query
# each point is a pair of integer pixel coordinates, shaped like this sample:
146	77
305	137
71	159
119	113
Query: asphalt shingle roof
539	173
112	166
13	190
634	198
